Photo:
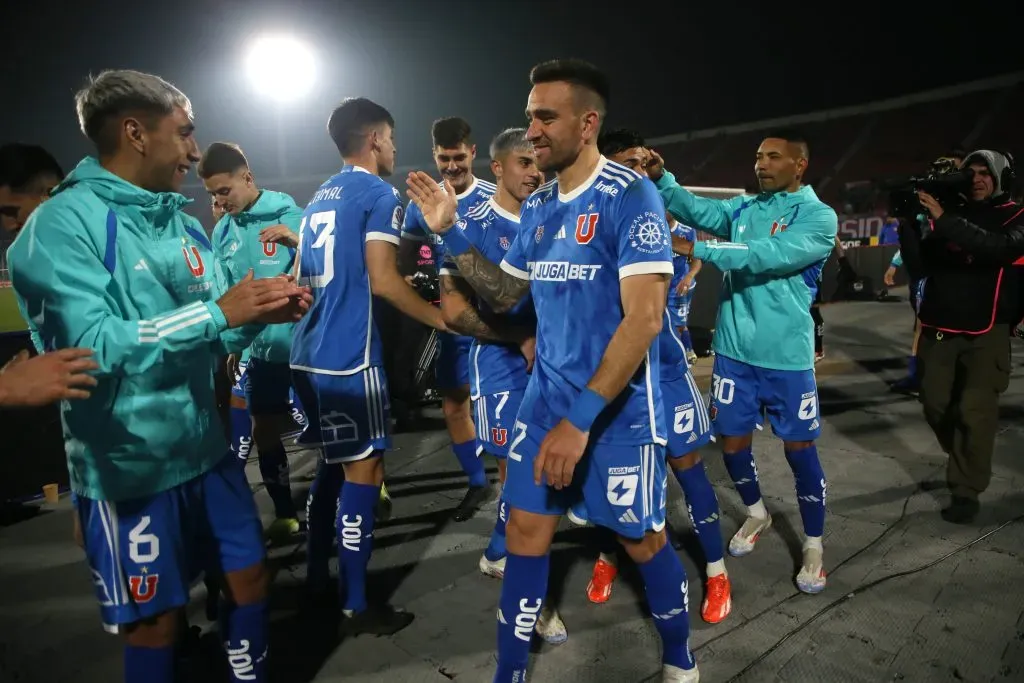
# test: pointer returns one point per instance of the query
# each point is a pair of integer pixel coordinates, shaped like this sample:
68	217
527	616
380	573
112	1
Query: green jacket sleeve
710	215
807	241
59	276
897	259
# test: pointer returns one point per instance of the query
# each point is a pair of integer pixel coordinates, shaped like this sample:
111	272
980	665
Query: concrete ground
909	598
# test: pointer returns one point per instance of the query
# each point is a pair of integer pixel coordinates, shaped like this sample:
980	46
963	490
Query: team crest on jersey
648	234
778	226
539	235
460	224
586	227
143	587
499	437
504	243
269	248
194	260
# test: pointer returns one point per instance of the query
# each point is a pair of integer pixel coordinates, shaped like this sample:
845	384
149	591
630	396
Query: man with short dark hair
27	175
262	374
778	242
593	252
969	303
454	152
113	264
348	241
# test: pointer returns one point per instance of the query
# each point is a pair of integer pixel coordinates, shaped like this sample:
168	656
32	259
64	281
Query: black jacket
966	263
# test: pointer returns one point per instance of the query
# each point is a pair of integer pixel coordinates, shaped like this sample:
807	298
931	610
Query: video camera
944	180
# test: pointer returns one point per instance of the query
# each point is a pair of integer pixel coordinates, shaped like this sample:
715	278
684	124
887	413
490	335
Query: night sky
672	70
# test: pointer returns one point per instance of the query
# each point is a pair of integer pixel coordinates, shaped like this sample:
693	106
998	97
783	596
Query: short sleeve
385	220
644	239
412	225
516	259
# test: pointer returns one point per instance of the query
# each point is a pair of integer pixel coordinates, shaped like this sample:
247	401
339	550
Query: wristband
585	410
456	242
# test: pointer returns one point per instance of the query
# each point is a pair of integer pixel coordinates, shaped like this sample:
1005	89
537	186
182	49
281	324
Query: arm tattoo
499	289
470	321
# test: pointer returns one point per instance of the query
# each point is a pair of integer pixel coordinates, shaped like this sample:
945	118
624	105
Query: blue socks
665	584
496	548
743	472
244	631
277	479
472	465
241	433
355	541
321	523
703	507
810	489
687	340
522	595
148	664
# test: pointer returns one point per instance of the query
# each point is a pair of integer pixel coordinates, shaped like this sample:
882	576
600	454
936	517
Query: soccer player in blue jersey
593	253
779	240
454	153
348	250
264	377
113	264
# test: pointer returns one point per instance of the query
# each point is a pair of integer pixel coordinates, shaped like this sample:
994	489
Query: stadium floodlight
281	68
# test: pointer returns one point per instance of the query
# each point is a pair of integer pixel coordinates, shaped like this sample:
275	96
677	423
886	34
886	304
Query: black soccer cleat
377	620
961	510
471	502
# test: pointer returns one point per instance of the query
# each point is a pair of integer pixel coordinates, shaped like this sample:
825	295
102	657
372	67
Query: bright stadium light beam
281	68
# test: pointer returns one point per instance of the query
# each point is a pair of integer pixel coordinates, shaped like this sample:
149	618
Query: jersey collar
585	185
502	212
468	191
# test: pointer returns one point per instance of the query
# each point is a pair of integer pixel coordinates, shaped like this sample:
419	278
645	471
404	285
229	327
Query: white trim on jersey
585	185
152	331
382	237
451	272
507	215
661	441
475	354
513	271
646	268
473	185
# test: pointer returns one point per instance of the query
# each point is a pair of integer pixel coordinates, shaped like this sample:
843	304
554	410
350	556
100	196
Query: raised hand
437	204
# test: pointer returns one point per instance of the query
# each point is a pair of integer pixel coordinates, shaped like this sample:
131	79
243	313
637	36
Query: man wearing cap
969	303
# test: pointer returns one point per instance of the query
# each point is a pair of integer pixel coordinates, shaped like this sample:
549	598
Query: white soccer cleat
495	568
743	541
811	578
673	674
550	627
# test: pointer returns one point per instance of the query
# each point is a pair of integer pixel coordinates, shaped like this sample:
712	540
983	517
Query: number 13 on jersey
316	263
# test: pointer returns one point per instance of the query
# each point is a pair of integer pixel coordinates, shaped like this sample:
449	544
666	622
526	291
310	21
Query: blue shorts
268	387
145	553
240	387
679	309
621	488
452	371
742	393
494	415
349	416
689	423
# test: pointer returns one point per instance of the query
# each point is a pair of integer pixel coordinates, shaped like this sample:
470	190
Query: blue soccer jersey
574	249
494	367
352	207
415	228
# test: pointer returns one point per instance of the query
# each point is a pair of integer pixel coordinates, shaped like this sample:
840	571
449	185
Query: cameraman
968	306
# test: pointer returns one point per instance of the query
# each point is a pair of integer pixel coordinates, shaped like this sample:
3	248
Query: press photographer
961	251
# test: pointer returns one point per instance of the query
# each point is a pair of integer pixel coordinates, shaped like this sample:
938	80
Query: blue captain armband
587	407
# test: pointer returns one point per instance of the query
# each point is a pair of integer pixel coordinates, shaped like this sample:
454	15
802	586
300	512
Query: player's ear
135	133
496	169
591	125
472	152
